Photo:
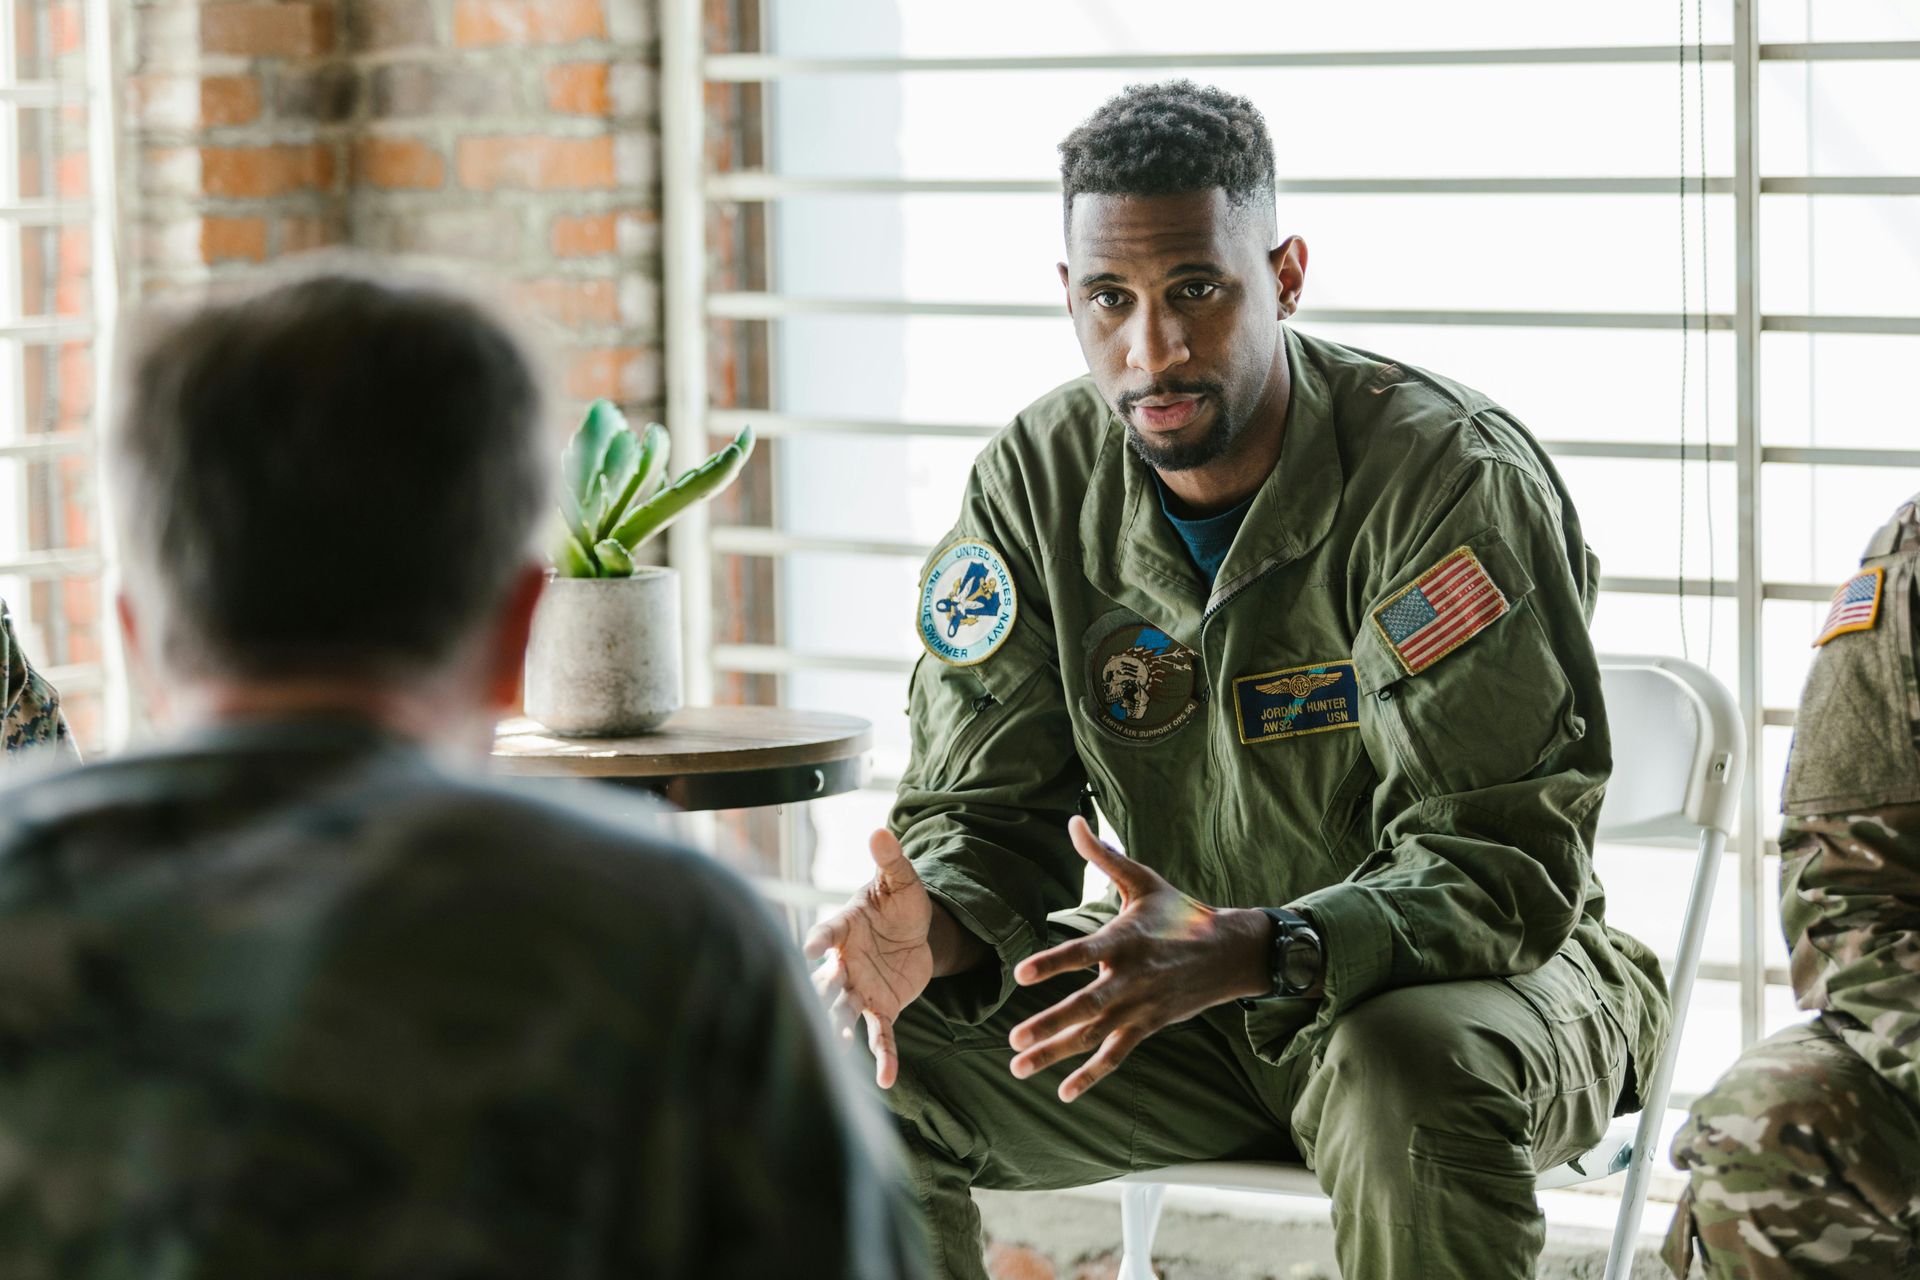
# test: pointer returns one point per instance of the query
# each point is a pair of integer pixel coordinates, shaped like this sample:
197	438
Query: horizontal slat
772	425
1841	457
52	564
46	445
772	186
43	93
45	213
1637	450
1710	972
1779	717
1841	324
1816	592
774	306
748	67
744	67
1835	186
61	330
81	677
1666	586
766	659
742	540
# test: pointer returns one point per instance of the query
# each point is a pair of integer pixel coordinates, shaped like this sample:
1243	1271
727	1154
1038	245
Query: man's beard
1182	455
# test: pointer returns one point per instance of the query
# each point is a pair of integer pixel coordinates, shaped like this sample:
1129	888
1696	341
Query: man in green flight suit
1311	629
1803	1160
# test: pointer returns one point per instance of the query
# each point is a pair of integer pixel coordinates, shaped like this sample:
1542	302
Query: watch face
1299	963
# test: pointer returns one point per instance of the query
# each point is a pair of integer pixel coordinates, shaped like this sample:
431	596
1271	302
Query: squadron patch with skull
1141	680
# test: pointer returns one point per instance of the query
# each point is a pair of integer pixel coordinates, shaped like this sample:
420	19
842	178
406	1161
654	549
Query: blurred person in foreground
298	993
31	726
1803	1160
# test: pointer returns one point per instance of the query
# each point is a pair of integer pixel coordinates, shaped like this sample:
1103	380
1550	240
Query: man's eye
1109	298
1197	289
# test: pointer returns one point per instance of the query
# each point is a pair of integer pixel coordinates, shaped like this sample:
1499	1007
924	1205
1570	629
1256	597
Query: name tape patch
1856	606
1439	611
967	604
1317	698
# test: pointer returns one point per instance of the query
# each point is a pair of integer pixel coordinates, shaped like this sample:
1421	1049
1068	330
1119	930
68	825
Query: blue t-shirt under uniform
1209	537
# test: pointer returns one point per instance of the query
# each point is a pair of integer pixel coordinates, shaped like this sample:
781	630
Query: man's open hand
879	957
1162	960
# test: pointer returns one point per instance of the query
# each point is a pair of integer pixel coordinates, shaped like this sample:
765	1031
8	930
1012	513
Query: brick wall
519	136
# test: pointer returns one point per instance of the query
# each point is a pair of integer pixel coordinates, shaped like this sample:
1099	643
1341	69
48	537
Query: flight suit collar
1134	556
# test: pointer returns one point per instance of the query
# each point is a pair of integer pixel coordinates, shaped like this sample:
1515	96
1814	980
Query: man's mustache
1131	399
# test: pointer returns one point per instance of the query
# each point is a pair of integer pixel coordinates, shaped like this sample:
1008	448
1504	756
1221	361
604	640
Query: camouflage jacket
1384	712
30	718
294	1000
1850	849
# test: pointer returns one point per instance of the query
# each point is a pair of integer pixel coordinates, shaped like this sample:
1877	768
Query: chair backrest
1678	748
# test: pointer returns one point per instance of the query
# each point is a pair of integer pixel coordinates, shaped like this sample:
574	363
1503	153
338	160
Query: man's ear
150	692
1289	263
506	656
1064	286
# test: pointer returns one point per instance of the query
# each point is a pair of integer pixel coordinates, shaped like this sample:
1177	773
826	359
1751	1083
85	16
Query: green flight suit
1283	739
1803	1160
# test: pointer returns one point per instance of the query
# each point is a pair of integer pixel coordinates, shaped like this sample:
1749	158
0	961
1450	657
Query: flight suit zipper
1223	765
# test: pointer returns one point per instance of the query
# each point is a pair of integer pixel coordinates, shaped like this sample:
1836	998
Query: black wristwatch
1296	961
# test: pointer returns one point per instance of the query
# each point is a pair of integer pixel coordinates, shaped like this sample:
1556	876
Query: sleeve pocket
1489	712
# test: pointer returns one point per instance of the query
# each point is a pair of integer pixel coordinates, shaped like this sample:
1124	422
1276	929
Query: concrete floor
1076	1236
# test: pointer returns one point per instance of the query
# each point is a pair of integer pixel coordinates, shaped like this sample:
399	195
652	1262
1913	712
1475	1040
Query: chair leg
1139	1219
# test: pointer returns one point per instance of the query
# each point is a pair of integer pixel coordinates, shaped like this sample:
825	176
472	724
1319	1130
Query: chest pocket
1854	741
1490	712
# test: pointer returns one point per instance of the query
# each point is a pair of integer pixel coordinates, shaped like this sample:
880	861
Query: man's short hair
1169	139
335	472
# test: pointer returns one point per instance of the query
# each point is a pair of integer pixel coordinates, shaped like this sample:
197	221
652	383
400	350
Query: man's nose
1156	340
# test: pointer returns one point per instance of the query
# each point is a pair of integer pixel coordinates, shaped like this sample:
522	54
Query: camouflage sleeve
30	716
1850	907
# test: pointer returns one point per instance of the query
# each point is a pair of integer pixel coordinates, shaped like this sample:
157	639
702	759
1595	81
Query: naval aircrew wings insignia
1439	611
1856	606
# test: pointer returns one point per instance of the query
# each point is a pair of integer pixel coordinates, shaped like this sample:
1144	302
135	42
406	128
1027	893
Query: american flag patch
1856	606
1439	611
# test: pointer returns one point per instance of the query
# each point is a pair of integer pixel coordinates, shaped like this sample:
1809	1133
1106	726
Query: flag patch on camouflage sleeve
1439	611
1856	606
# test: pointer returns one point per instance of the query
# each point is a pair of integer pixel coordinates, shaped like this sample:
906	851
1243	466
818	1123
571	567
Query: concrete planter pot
604	658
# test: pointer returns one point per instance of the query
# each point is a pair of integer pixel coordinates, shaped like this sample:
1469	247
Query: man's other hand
878	955
1162	960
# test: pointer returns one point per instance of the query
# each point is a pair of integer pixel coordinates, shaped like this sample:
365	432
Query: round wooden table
706	757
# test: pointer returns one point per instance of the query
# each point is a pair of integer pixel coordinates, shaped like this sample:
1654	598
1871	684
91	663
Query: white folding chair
1678	744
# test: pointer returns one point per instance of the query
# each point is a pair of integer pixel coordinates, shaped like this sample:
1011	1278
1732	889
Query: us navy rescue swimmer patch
1856	606
1317	698
1142	680
968	604
1439	611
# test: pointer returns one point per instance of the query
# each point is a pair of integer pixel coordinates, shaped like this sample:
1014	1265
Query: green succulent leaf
614	559
617	472
696	485
586	453
570	559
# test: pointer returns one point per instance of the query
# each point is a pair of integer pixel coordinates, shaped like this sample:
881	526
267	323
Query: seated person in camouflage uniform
1311	628
301	994
30	721
1804	1159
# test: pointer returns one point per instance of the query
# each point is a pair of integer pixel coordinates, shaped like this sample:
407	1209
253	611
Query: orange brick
65	28
399	164
523	22
226	100
536	164
70	177
579	88
582	235
233	239
267	30
620	374
570	302
259	173
76	377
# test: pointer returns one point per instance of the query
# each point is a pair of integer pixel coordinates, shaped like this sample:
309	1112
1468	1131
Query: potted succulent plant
604	658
